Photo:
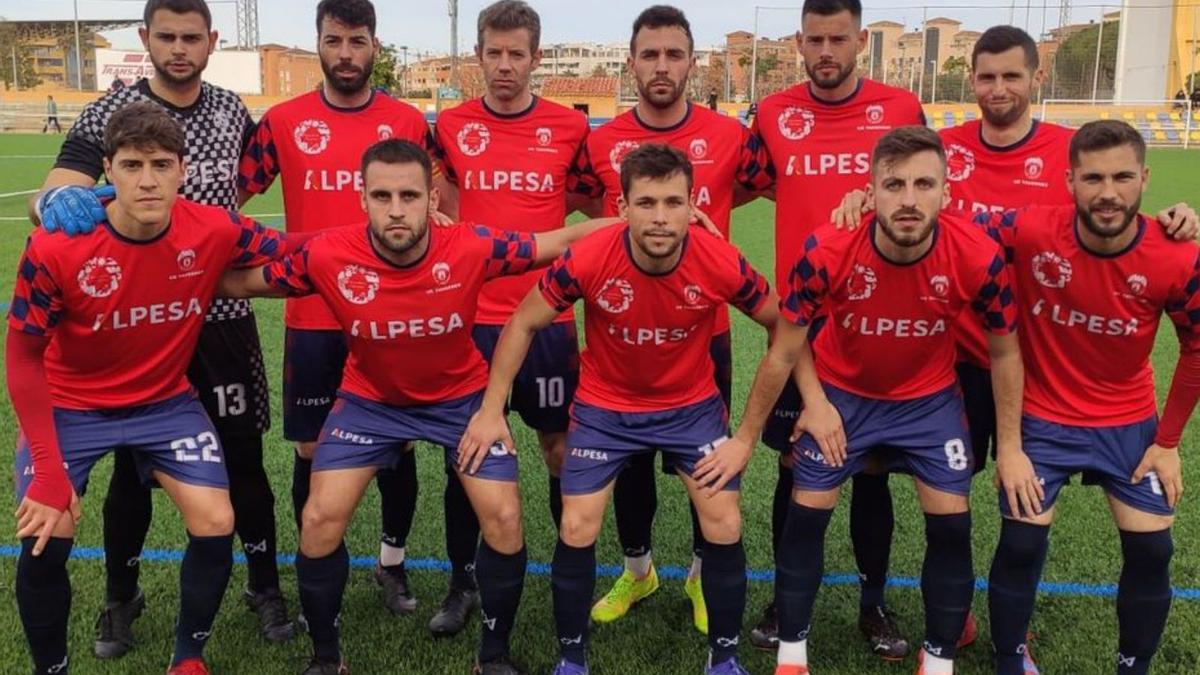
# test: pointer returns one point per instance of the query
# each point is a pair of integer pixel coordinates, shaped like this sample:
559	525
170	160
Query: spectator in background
712	99
51	116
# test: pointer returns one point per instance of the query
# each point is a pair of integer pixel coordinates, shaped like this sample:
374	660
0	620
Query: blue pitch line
667	572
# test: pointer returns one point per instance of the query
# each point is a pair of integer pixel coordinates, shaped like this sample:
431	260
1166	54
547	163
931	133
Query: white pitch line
28	157
19	193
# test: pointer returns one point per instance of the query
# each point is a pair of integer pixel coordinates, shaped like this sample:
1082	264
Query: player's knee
500	525
785	460
213	521
724	527
579	529
320	530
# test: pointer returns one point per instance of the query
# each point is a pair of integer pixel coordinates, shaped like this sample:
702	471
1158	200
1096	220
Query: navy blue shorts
600	442
980	405
1106	456
545	386
173	436
361	433
312	372
928	436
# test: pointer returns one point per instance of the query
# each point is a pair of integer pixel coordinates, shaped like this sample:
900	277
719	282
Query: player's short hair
831	7
1105	134
661	16
999	39
904	142
656	162
398	151
177	7
353	13
144	125
510	15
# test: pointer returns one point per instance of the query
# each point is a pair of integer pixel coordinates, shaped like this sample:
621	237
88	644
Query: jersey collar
1012	146
820	101
412	265
135	242
143	87
357	108
1141	231
533	101
687	115
628	241
937	229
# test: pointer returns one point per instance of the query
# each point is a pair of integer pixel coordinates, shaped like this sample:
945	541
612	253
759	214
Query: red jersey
820	151
648	335
888	334
722	151
1089	321
511	171
318	150
124	316
408	328
984	177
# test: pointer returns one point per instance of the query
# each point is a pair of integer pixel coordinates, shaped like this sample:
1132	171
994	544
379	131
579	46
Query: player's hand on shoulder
722	464
35	519
849	213
73	209
486	432
1017	480
1180	222
439	219
1168	468
822	421
701	218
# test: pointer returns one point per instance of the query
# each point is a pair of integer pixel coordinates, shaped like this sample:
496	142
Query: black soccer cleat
455	611
501	665
316	667
878	625
272	613
765	635
114	627
397	596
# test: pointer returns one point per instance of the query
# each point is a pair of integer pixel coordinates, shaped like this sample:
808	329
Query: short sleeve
83	148
509	252
755	171
290	273
259	164
37	304
438	151
1183	308
994	302
751	288
560	285
808	284
582	178
256	243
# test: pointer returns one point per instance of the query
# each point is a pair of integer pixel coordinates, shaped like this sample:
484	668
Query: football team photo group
937	310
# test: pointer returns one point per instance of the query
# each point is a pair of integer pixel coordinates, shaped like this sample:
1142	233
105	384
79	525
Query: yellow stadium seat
1103	114
1174	116
959	115
937	123
1160	136
1196	135
1127	116
1150	117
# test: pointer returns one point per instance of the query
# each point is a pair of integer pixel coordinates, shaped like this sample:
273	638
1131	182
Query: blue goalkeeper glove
72	209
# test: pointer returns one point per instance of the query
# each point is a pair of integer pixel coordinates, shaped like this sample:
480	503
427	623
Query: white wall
1143	50
235	70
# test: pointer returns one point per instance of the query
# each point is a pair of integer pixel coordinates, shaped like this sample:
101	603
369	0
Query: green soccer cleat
624	594
699	610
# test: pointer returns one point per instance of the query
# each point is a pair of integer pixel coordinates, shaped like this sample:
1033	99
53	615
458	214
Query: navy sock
697	533
253	508
301	472
724	585
462	532
127	514
1143	598
44	602
203	577
780	504
556	501
799	562
501	579
572	581
947	581
635	501
1012	589
322	583
871	525
398	499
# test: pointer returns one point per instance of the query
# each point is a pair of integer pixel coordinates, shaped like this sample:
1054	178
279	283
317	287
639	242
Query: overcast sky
424	24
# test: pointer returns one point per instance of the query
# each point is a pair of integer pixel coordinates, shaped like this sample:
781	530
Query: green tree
1075	63
11	47
386	73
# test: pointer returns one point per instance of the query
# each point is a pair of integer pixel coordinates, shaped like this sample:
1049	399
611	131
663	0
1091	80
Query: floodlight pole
1096	69
16	82
78	54
754	55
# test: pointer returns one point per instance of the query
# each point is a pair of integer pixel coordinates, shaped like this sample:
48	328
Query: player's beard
402	246
659	254
1107	231
161	70
831	82
904	239
1008	117
351	86
660	100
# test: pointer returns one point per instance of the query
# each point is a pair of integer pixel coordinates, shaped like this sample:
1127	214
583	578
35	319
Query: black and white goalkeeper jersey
217	126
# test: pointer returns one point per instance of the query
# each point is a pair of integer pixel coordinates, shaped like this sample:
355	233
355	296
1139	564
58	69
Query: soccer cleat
114	627
397	596
272	613
765	635
189	667
316	667
969	631
454	612
729	667
695	591
501	665
878	624
624	594
566	667
790	669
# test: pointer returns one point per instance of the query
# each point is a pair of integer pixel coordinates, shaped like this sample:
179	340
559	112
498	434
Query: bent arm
789	352
552	244
533	314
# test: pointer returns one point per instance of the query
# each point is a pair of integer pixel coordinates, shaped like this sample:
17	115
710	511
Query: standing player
725	157
406	296
100	333
819	135
1093	281
509	154
315	142
227	369
885	363
652	291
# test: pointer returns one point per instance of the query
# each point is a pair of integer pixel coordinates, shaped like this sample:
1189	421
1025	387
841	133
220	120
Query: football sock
203	577
1012	589
397	506
253	509
871	525
635	501
697	565
792	653
697	533
322	583
947	581
639	565
462	532
572	581
501	579
301	473
800	562
724	585
555	497
44	602
1143	597
936	665
127	514
780	504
